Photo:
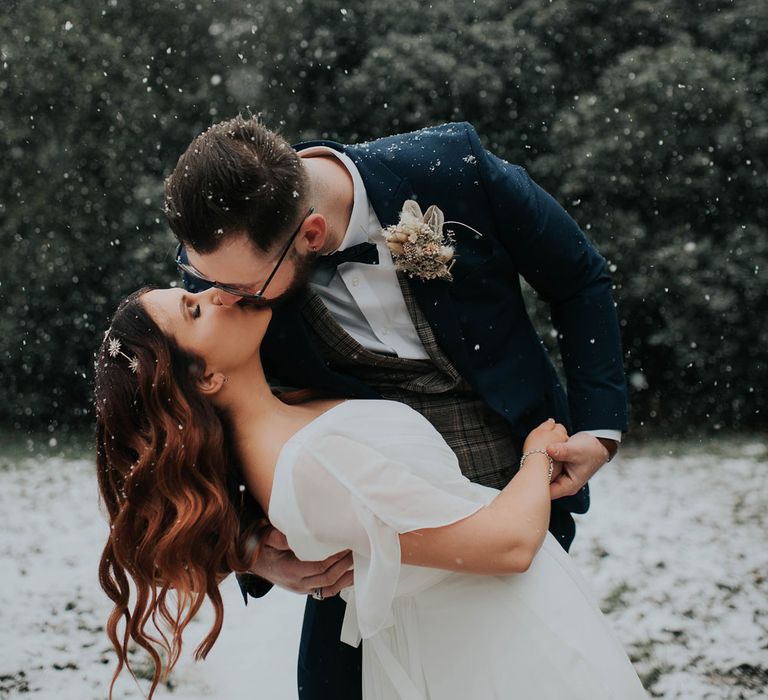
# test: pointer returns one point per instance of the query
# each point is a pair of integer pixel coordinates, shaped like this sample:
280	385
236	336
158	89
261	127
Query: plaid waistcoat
486	450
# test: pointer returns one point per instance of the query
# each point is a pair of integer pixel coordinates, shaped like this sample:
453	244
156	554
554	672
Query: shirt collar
357	230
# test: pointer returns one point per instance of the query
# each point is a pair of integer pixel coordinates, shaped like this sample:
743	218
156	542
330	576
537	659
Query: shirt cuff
608	434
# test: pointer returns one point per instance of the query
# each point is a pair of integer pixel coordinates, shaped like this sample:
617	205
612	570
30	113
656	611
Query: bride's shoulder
378	412
357	439
377	423
364	420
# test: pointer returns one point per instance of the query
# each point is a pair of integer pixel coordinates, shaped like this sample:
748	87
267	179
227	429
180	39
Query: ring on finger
317	594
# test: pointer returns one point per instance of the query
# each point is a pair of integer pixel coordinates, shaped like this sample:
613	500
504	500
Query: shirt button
385	331
355	281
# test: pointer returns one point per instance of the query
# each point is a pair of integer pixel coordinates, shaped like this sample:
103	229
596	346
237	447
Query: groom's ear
314	232
211	383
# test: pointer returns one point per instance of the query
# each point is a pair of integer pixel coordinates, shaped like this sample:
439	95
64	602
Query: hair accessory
114	349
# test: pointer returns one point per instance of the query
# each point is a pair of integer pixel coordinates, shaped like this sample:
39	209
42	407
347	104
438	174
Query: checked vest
487	452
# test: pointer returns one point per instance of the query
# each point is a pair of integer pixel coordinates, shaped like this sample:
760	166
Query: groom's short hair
237	177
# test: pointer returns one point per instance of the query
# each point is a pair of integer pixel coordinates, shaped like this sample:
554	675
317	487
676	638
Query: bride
459	590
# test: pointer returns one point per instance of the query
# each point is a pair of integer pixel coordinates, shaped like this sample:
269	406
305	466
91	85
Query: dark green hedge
648	121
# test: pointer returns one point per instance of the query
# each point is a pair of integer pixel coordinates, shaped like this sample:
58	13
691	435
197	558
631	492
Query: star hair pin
114	349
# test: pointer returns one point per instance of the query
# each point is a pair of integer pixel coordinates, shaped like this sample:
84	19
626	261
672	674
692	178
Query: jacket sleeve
555	257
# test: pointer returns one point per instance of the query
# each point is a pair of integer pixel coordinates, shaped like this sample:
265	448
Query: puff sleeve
350	495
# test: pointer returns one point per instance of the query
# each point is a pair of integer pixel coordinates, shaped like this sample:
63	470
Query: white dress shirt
366	300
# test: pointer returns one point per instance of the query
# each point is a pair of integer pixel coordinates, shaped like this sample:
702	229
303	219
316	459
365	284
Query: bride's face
225	336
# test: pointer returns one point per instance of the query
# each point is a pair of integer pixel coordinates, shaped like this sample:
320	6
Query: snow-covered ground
676	546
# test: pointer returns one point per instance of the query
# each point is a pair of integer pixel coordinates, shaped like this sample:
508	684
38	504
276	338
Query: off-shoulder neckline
305	429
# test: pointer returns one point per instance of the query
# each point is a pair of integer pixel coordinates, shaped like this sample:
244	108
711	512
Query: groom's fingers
331	576
557	469
344	582
563	485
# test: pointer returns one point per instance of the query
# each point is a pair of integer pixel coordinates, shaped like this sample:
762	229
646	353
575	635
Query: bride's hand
548	433
278	564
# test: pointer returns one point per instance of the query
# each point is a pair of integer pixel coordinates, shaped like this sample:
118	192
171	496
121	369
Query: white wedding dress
365	471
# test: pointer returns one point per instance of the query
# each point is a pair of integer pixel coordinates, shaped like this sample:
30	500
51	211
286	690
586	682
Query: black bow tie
325	266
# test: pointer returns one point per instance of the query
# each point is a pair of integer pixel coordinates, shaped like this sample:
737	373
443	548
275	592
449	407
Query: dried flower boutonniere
419	246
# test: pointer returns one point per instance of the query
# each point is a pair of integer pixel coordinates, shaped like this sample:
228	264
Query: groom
301	229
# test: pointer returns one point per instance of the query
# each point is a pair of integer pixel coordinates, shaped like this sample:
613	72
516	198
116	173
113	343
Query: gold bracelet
542	452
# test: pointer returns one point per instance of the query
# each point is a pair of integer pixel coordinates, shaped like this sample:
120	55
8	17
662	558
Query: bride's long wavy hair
180	519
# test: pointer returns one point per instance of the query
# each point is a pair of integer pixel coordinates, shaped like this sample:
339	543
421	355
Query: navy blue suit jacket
479	318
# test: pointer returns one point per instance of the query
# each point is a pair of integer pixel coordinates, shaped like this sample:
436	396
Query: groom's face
238	264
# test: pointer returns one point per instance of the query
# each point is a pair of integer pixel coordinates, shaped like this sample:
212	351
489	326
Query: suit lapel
290	354
387	191
436	304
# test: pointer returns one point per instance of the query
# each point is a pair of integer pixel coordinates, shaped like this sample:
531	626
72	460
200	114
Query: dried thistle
419	246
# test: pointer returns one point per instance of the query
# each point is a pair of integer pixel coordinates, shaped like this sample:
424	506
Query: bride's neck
260	423
248	399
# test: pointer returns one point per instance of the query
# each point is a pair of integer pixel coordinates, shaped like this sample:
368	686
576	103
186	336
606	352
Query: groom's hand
278	564
581	456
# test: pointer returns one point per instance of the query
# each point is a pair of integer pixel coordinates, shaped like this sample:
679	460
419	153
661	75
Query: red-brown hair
180	521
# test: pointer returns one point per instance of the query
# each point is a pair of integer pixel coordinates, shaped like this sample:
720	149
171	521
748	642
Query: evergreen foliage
647	120
97	100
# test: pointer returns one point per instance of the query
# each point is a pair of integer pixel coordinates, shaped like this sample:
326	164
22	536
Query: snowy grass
675	546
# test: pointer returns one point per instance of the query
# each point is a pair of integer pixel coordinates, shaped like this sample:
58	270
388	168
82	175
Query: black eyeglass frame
188	269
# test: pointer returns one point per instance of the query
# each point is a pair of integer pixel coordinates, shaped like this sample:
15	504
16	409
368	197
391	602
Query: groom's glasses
236	290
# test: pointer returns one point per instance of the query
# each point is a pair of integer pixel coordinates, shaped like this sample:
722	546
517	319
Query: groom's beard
302	270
